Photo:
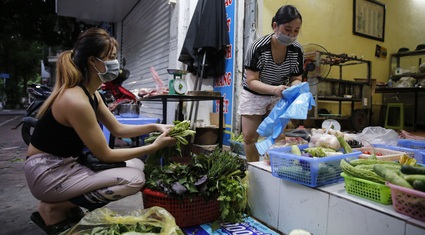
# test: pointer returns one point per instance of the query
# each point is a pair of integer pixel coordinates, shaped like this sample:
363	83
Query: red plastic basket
188	211
408	201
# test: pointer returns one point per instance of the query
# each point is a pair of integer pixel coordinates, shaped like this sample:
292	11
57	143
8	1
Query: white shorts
252	104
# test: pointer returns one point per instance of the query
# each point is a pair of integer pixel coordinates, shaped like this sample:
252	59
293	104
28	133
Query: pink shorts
53	179
252	104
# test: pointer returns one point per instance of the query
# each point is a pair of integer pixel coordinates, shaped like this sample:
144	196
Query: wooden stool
394	118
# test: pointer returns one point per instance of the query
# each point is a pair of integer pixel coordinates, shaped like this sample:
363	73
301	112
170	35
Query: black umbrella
205	45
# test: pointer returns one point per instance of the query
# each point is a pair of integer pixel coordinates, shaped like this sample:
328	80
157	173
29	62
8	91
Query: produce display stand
284	205
164	99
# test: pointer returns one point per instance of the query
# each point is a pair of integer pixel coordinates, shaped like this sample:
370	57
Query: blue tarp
295	104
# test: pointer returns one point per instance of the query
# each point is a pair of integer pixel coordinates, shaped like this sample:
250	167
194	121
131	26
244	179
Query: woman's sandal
51	229
75	215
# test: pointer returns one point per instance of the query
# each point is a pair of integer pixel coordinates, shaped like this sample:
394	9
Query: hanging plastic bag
295	104
157	79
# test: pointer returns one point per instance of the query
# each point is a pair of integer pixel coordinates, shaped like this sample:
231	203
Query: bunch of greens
237	138
220	176
117	229
177	180
227	176
181	130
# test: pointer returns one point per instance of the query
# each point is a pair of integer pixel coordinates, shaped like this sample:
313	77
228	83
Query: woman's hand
278	90
164	140
163	127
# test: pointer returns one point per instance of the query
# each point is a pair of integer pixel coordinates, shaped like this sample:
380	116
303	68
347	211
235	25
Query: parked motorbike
112	94
38	93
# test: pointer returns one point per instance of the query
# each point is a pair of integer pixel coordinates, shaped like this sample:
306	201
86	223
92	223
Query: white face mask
285	40
112	70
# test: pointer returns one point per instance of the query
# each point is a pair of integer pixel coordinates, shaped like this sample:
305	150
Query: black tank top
52	137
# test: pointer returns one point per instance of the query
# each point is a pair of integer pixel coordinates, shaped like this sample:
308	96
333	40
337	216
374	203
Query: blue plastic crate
312	172
413	144
237	147
418	154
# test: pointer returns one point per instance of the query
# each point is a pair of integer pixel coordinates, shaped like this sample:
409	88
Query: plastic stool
394	119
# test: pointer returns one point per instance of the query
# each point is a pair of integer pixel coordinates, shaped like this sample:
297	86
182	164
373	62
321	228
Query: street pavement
16	200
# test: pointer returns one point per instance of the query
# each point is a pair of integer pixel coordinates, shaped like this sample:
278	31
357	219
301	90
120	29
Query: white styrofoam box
348	218
302	207
263	194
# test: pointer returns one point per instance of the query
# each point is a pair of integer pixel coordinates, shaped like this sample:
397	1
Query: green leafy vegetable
219	175
237	138
180	131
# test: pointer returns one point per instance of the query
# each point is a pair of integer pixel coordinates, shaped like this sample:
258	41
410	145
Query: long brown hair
71	67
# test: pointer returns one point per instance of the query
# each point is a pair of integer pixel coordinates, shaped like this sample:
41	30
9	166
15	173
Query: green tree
27	29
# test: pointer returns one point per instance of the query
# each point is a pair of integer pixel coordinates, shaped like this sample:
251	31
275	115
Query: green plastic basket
367	189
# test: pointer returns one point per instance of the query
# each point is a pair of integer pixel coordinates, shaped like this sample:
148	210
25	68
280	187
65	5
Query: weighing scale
177	86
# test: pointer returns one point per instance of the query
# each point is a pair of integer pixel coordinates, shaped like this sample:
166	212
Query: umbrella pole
198	86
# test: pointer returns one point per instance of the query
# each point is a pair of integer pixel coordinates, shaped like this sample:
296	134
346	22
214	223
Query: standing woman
68	122
273	63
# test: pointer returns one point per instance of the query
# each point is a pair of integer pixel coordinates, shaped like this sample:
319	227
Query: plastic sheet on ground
106	221
295	104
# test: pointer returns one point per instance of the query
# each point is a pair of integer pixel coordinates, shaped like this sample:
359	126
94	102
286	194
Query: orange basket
189	211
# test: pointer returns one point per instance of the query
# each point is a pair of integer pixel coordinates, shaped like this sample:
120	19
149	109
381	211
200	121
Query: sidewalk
16	201
12	111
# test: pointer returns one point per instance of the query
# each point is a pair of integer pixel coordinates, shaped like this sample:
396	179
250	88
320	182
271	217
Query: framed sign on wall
369	19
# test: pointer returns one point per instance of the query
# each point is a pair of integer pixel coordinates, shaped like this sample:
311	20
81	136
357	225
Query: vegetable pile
305	170
405	173
220	176
323	151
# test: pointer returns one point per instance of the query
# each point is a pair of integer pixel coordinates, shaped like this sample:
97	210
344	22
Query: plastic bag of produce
154	220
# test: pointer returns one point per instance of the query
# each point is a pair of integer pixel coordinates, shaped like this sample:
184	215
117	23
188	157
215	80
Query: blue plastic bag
295	104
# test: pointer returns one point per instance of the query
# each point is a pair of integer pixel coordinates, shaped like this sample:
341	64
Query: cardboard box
214	119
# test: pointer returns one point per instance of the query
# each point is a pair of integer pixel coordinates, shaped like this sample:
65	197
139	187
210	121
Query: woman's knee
137	179
135	163
250	138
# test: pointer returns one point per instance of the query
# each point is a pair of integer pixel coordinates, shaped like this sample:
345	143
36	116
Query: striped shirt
259	59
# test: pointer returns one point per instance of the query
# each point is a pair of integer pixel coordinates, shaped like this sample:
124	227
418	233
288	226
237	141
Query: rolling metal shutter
145	41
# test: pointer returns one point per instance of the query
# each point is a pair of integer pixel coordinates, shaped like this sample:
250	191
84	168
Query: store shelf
338	98
337	89
408	53
413	75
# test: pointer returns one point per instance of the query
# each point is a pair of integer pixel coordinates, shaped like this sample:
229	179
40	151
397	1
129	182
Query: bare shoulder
73	101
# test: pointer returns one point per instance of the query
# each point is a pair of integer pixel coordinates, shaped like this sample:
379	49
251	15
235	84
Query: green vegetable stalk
237	138
391	176
181	130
